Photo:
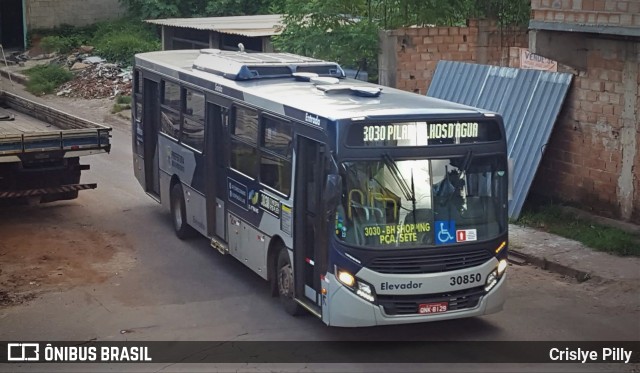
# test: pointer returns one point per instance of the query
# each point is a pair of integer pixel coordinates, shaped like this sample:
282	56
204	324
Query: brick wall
44	14
592	156
418	50
624	13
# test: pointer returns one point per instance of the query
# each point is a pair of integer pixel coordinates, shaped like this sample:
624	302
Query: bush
60	44
45	79
116	41
65	35
123	100
121	47
122	103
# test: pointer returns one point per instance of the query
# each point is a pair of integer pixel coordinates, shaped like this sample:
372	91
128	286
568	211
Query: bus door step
309	306
222	247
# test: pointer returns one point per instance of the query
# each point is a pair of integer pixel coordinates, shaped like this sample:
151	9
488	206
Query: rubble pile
97	80
94	76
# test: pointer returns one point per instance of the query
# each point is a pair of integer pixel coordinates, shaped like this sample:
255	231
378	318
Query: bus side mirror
332	191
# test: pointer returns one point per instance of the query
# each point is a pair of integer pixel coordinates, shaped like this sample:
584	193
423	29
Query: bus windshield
426	202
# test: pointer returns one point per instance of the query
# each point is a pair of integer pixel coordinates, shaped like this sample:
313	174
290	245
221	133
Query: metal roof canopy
528	100
251	26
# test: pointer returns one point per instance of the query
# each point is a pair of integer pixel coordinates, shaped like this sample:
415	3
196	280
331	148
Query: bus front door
215	171
309	238
151	123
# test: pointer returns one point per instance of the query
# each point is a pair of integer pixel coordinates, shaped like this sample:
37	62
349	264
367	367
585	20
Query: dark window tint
170	123
244	158
193	133
277	137
276	173
171	95
246	125
194	104
137	81
138	111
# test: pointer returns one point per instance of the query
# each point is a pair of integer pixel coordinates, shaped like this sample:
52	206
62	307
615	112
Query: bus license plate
428	308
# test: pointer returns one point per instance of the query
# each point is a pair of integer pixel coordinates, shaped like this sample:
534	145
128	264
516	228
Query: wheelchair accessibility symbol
445	231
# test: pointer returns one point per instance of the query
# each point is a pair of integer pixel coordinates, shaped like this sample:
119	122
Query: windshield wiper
466	163
397	176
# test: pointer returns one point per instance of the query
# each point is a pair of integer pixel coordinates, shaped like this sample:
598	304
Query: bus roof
279	94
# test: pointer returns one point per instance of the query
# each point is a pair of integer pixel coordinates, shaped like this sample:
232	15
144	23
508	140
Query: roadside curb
15	77
569	257
544	263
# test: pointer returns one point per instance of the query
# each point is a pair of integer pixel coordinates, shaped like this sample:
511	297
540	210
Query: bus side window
244	141
137	84
193	121
137	111
170	109
275	161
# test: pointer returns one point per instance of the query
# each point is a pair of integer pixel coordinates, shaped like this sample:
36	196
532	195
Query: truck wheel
284	273
179	213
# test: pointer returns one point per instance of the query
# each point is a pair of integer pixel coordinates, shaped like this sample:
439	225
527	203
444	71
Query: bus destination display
422	133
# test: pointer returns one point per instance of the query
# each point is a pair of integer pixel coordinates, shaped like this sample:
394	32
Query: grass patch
45	79
68	35
552	219
122	103
123	100
59	44
118	41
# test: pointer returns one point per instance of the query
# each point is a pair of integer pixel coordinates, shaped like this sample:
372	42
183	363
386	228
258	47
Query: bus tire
179	213
284	279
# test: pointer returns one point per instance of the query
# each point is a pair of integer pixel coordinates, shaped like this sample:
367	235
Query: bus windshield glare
426	202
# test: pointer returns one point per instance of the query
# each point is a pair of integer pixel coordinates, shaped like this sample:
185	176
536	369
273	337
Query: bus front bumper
346	309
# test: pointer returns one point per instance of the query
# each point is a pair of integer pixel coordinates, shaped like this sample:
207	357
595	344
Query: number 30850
465	279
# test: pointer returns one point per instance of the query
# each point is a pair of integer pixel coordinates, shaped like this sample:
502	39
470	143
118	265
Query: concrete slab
570	257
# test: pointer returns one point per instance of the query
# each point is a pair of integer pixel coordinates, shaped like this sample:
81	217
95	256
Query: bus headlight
346	278
492	280
364	291
502	265
495	275
361	288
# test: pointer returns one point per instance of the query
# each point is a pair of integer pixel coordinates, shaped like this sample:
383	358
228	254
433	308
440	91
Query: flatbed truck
40	150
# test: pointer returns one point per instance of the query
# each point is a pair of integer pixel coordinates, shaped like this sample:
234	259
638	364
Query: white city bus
361	204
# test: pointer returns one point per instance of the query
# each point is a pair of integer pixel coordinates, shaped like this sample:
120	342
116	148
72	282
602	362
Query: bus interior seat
365	216
421	215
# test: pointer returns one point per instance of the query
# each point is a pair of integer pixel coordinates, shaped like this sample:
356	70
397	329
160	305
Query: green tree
346	30
154	9
329	29
219	8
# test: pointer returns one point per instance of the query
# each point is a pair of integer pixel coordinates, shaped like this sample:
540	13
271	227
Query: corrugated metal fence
528	100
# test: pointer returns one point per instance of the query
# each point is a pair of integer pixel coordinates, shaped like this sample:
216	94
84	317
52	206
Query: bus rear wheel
285	284
179	213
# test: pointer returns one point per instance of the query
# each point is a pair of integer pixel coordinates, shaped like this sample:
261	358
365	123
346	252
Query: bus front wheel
179	213
285	284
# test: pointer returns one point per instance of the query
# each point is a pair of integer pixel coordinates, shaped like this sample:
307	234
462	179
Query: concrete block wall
592	157
45	14
625	13
418	50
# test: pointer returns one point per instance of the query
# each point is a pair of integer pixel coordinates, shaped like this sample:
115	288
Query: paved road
161	288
